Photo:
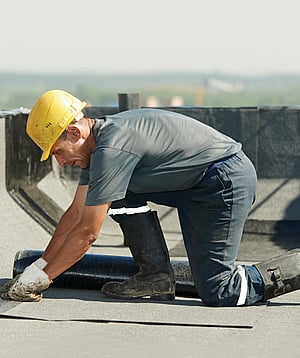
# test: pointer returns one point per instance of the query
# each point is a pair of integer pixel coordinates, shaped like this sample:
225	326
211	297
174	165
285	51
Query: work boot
155	278
280	274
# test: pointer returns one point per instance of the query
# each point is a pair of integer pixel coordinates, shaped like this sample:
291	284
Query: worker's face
70	150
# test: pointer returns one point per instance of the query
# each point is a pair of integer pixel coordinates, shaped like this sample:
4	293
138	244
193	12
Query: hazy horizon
254	38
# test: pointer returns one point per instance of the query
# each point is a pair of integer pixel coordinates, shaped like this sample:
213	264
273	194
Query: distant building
152	101
176	101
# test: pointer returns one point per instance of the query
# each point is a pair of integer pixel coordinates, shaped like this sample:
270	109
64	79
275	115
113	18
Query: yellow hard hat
50	116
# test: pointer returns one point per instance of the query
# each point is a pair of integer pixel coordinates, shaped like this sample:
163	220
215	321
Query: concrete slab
277	199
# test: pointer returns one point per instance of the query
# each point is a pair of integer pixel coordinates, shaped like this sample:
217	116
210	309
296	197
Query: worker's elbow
84	236
87	240
90	239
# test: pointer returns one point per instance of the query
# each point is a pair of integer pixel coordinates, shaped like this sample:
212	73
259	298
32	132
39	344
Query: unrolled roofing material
91	306
93	270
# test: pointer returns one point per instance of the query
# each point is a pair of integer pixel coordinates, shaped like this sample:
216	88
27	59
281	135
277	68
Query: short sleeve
109	175
84	176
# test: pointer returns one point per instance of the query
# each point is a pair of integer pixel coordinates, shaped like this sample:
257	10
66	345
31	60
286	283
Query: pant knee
218	293
210	298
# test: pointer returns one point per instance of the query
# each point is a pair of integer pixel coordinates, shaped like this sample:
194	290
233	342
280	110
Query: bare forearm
77	241
71	250
65	226
66	223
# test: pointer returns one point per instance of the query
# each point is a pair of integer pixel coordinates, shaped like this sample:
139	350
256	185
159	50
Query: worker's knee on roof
216	294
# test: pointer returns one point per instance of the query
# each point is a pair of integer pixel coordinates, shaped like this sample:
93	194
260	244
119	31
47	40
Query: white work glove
27	286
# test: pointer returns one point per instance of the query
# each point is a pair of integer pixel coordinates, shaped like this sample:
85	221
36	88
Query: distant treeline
214	89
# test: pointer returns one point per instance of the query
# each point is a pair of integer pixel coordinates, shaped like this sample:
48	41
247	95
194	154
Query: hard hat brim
45	155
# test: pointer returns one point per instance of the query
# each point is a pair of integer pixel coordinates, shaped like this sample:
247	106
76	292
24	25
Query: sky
137	36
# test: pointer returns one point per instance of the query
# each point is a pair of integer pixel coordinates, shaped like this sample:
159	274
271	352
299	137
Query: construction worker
150	155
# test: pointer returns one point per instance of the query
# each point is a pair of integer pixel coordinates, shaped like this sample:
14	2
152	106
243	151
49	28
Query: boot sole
163	297
154	297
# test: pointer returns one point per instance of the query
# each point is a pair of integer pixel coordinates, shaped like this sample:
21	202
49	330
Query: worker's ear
74	133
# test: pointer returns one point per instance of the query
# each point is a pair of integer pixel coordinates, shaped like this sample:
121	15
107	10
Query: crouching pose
150	155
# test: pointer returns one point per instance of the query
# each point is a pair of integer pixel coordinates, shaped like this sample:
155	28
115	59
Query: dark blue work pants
212	215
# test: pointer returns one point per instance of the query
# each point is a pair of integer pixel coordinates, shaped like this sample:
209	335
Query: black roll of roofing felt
93	271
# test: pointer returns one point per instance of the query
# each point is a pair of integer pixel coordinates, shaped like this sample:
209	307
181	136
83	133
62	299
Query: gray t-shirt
150	150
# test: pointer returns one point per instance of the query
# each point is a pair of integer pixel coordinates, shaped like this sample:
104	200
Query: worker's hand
27	286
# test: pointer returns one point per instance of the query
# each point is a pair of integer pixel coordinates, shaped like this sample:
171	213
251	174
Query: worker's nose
60	161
